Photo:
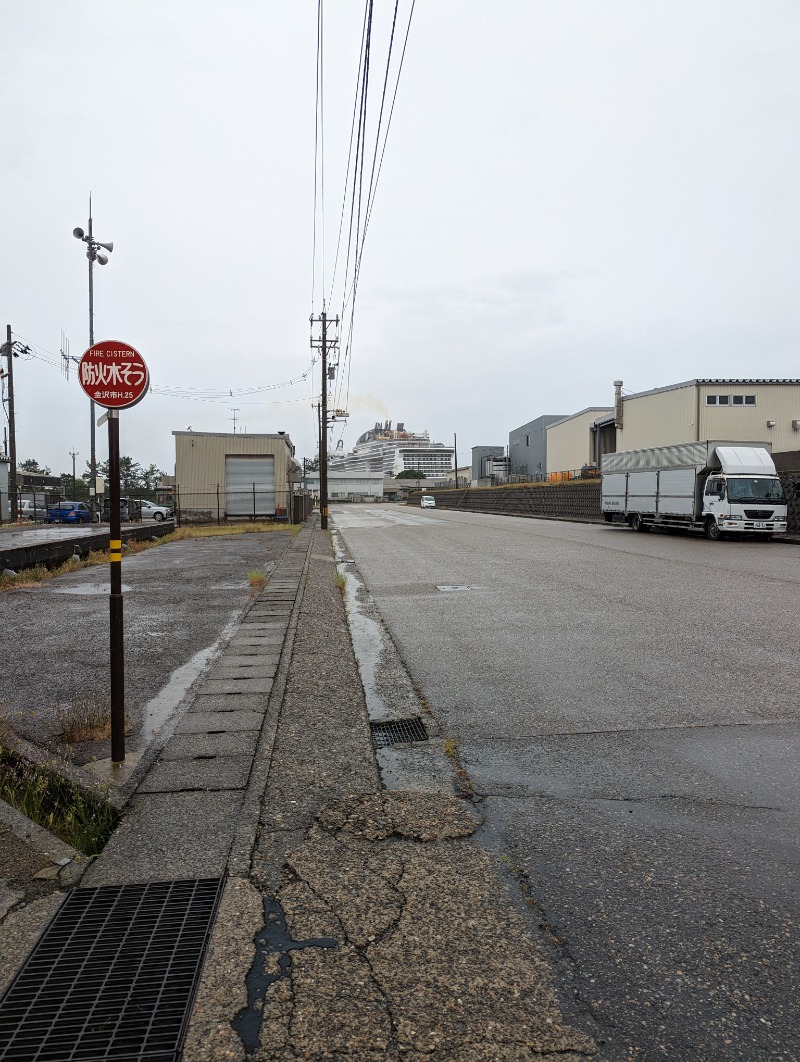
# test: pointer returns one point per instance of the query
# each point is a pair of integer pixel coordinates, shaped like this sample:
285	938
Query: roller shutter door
250	486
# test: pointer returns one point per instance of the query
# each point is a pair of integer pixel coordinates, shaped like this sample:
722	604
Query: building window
730	400
527	440
711	400
723	400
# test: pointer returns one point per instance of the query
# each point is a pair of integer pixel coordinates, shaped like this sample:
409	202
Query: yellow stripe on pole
115	543
115	557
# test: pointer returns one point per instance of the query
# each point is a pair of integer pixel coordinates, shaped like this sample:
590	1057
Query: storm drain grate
398	732
113	976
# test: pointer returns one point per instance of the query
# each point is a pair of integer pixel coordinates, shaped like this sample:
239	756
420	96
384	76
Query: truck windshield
757	489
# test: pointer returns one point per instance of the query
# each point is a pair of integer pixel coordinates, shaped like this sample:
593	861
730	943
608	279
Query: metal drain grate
113	976
398	732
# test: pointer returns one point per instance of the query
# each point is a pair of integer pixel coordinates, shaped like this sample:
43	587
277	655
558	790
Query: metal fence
220	505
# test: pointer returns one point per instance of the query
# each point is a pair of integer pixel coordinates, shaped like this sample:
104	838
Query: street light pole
94	255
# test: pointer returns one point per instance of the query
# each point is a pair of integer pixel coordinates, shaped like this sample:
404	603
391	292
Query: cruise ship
393	450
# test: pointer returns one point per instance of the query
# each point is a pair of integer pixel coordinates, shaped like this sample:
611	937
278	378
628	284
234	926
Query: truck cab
743	504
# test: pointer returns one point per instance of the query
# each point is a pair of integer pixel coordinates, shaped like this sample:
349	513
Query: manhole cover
113	976
398	732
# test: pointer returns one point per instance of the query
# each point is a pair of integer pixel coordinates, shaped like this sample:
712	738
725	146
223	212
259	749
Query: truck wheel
638	524
712	530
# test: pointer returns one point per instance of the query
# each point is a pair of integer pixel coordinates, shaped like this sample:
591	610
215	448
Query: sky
572	192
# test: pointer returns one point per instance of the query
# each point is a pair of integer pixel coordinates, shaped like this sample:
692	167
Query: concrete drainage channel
406	737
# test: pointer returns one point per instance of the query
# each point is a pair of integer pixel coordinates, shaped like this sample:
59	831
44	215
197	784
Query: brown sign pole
114	375
117	637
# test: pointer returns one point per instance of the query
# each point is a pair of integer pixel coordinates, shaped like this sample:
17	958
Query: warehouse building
747	410
527	447
571	441
219	475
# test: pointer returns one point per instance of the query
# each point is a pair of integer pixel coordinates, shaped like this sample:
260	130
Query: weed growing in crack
82	818
257	580
86	718
340	580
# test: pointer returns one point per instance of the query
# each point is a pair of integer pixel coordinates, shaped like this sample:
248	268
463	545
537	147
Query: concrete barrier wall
577	500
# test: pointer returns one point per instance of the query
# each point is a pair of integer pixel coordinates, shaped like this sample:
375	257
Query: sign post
114	375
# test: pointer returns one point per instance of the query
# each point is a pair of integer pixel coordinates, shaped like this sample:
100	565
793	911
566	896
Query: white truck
722	488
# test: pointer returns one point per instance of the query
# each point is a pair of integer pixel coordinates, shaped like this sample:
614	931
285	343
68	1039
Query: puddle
159	708
90	589
365	633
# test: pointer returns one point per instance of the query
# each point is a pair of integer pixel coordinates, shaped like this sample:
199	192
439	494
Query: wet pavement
181	601
356	921
626	708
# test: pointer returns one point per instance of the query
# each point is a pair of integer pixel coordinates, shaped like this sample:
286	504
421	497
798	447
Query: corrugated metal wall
569	444
200	465
660	419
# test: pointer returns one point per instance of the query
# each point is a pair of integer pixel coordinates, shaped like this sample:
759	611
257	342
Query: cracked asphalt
369	923
626	706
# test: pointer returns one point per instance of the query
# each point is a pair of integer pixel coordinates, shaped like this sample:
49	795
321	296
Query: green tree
133	479
410	473
30	464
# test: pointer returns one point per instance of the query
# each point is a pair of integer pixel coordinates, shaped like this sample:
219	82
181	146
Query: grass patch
82	818
87	718
257	580
340	581
29	577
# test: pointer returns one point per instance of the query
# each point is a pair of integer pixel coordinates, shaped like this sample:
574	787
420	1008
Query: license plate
759	525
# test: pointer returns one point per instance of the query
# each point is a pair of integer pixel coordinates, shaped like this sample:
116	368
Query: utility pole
324	344
455	457
73	454
233	418
12	433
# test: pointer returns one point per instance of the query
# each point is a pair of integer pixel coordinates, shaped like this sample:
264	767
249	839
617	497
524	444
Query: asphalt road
627	705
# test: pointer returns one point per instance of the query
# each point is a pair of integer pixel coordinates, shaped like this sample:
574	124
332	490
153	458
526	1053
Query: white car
428	501
151	511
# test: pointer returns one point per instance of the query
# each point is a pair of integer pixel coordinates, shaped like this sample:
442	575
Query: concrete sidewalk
356	922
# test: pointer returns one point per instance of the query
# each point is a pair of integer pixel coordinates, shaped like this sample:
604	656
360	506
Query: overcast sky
572	192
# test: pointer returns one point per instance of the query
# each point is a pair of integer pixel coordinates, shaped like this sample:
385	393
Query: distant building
527	447
391	451
348	486
488	464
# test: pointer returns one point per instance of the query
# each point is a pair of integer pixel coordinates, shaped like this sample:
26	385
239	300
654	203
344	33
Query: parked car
26	510
152	511
128	510
69	512
428	501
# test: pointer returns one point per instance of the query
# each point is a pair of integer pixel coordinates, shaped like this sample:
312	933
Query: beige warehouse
745	410
218	473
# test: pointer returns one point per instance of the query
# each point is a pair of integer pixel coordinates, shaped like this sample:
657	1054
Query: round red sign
114	374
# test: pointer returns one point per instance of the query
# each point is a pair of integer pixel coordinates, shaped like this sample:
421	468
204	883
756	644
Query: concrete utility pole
12	432
324	344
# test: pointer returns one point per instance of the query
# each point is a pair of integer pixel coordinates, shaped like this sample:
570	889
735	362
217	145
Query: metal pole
73	455
92	448
218	519
455	457
12	432
323	432
115	598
